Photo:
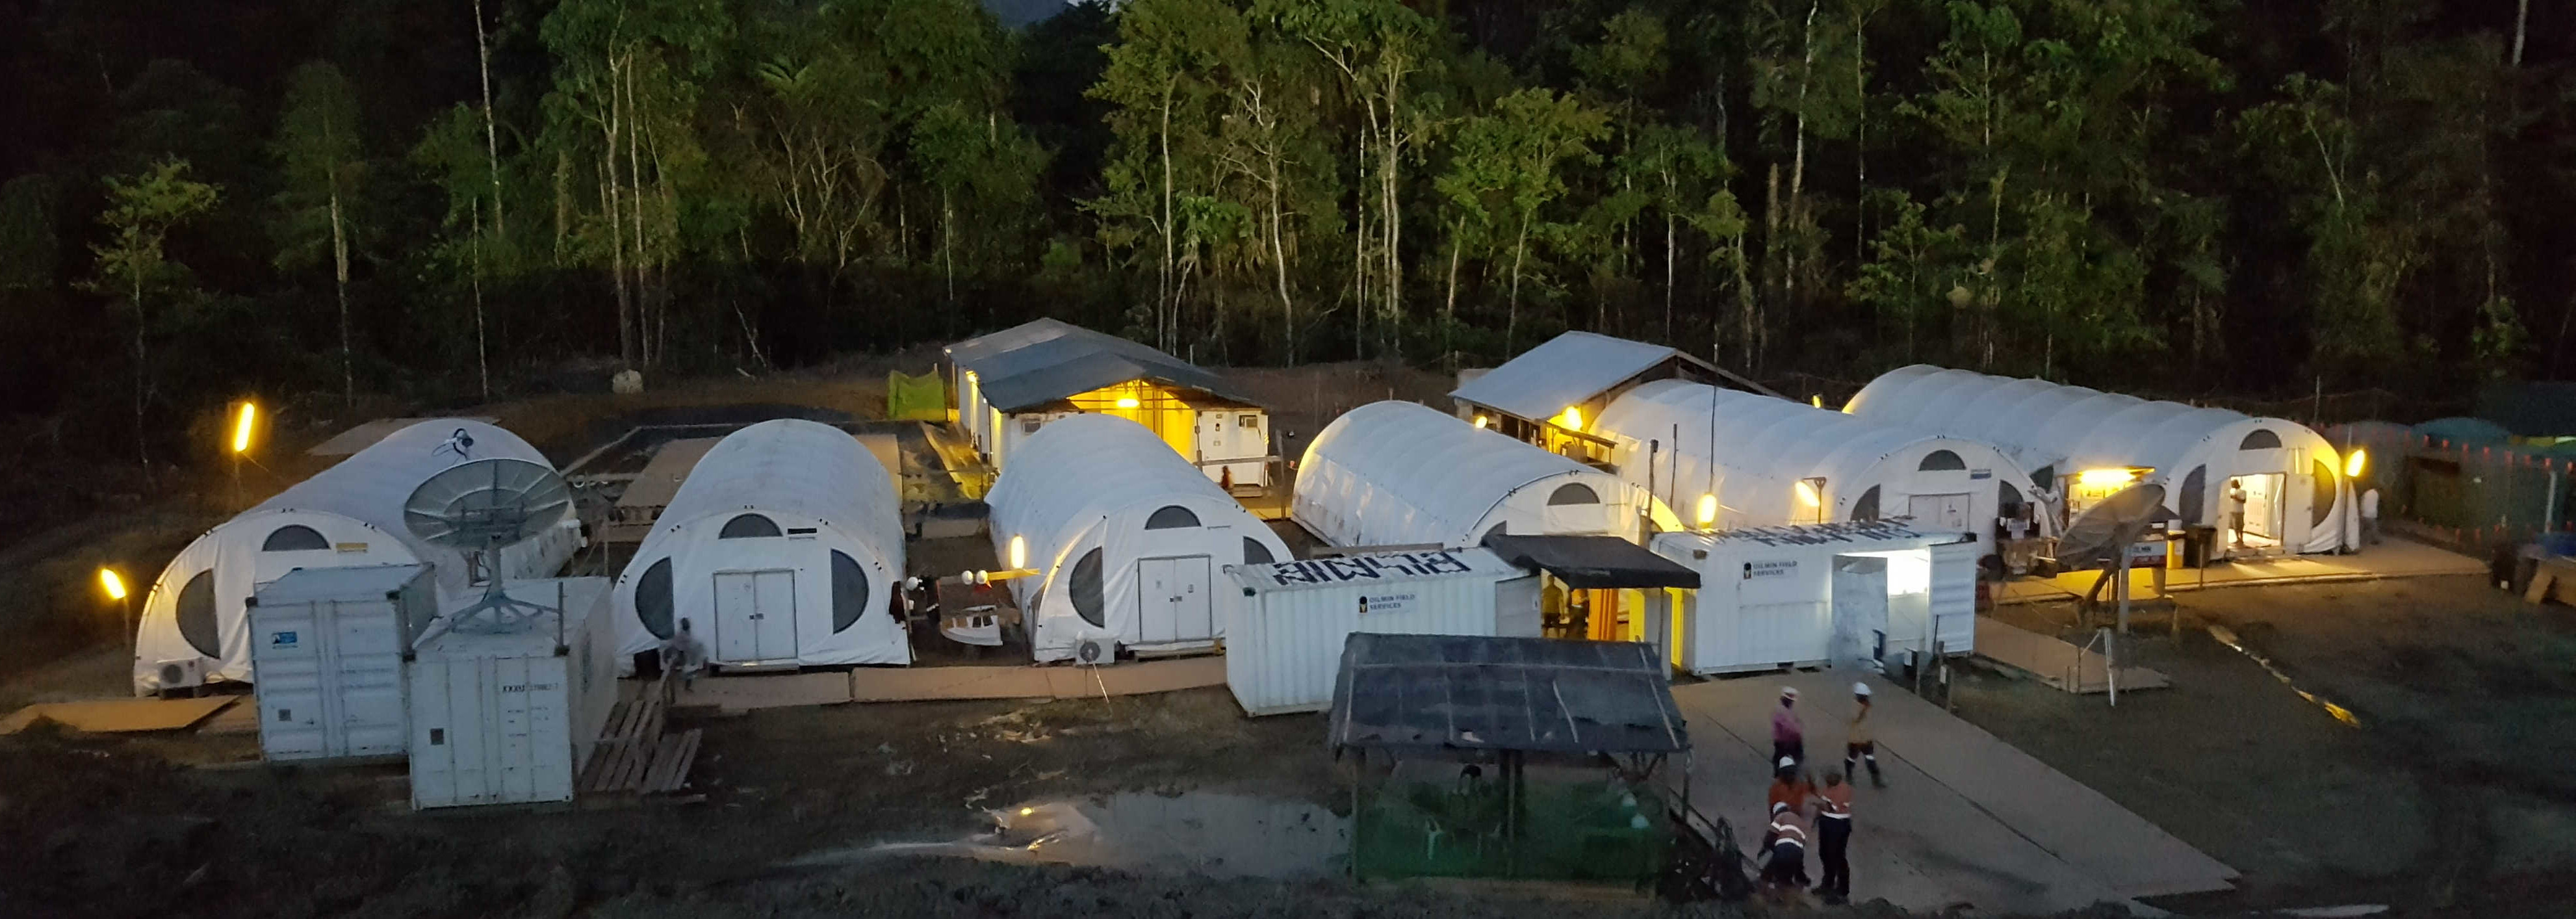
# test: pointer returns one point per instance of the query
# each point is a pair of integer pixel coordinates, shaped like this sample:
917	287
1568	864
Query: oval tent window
1867	507
653	599
1087	601
1941	461
2321	494
1573	493
748	526
1254	553
294	538
849	591
2261	439
1173	517
196	615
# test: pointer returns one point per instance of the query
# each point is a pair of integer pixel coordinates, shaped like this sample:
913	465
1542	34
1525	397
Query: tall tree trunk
340	277
1792	255
1511	324
1449	307
134	295
948	246
491	133
1860	139
611	207
1279	260
1771	222
2521	19
1166	296
563	203
635	197
482	358
1359	250
1671	251
1393	214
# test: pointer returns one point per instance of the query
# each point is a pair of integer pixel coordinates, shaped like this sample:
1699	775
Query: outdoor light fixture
1482	422
2352	465
108	581
1808	493
242	425
1707	510
1572	420
1019	552
2102	478
1128	402
1817	401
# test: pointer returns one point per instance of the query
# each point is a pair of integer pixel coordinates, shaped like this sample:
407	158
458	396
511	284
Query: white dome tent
782	549
1779	463
1397	473
1128	542
2094	442
193	626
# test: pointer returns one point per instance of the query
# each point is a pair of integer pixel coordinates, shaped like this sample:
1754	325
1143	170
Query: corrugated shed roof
1044	360
1477	693
1571	369
1593	562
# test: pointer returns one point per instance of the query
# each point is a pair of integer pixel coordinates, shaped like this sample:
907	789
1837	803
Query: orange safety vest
1787	825
1837	802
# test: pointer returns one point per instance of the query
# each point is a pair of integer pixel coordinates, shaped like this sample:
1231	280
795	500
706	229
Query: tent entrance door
1940	513
1172	600
755	616
2264	499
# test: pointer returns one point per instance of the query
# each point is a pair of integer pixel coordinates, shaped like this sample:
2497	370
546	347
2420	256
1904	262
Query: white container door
453	747
1940	513
287	650
1172	596
365	681
1861	611
755	615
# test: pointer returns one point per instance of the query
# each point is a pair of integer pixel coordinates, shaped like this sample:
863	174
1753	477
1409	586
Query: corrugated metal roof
1041	361
1476	693
1571	369
1593	562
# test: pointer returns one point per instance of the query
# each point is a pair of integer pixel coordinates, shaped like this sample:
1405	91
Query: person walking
1833	838
684	655
1787	869
1860	744
2370	517
1788	734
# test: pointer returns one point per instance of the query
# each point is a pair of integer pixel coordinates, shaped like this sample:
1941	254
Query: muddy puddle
1203	833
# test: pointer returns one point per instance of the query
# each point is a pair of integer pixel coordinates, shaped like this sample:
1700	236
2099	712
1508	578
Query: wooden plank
2538	592
117	716
671	766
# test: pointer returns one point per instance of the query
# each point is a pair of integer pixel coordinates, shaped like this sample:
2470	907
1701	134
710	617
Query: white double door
1941	513
755	616
1172	600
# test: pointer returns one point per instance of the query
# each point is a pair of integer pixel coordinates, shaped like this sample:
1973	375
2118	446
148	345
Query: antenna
483	506
2104	531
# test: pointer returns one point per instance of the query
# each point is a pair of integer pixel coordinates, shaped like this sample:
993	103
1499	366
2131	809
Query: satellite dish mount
482	507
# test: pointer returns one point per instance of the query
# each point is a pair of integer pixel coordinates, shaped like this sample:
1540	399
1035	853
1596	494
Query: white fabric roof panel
800	475
356	507
1092	481
1569	369
1399	473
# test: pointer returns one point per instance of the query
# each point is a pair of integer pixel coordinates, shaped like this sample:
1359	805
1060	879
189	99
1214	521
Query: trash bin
2196	544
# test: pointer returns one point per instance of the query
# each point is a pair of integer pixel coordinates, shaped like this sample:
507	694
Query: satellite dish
2104	531
483	506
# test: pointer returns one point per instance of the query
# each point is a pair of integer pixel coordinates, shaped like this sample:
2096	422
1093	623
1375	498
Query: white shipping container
327	643
512	717
1283	645
1806	595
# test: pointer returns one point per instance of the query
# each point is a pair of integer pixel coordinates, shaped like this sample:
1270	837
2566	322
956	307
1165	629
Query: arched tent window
2045	477
849	591
748	526
1498	530
196	615
2261	439
1941	461
653	599
2322	498
294	537
1867	507
2188	506
1572	493
1254	553
1171	517
1087	600
2008	498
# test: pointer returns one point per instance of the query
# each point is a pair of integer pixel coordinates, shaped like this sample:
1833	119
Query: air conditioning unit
185	673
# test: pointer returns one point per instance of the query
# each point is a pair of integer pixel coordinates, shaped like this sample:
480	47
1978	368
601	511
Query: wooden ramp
642	501
2057	663
634	755
119	716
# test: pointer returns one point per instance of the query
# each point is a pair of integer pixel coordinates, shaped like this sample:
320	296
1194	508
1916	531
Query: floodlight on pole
110	582
1572	420
244	421
1019	552
1707	510
1809	494
2354	464
1816	400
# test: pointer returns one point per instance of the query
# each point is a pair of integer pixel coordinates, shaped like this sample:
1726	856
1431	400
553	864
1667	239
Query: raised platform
2392	558
642	502
120	716
2057	663
918	684
1965	819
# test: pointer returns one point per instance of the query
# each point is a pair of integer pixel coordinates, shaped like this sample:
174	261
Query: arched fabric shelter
1128	542
345	516
1397	473
781	549
2297	499
1764	448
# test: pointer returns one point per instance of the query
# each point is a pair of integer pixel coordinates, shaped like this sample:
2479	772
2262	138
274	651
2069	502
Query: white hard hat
1788	761
1778	806
1788	692
1861	690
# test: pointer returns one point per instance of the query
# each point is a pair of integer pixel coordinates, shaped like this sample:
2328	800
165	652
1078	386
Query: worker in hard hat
1787	868
1788	734
1833	837
1788	785
1860	744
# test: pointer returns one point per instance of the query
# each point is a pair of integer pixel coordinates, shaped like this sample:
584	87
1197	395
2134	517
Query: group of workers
1796	802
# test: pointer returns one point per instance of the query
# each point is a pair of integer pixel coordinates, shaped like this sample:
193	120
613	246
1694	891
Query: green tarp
916	398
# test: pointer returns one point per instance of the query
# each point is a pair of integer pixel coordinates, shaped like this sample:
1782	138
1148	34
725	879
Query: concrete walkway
2394	558
1966	819
2055	662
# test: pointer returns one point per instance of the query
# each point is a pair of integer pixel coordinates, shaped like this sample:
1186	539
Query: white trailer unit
328	643
510	717
1284	644
1771	597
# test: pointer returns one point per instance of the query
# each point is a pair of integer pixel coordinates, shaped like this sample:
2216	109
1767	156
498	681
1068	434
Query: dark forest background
436	201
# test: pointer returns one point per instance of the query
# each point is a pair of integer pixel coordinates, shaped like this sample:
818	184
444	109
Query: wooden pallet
634	756
671	761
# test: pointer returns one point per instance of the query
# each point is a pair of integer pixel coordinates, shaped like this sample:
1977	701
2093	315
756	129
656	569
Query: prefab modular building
1011	383
2085	444
1284	646
328	644
1398	473
193	629
1122	544
1546	395
1771	597
511	716
781	549
1772	462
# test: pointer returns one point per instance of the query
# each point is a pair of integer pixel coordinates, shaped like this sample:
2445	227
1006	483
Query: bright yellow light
1019	552
1025	811
2352	465
1128	402
115	586
1572	420
1807	494
1817	401
1482	421
242	425
2101	478
1707	509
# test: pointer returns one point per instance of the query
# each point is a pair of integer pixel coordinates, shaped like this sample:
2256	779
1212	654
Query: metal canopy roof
1572	368
1041	361
1455	692
1592	562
